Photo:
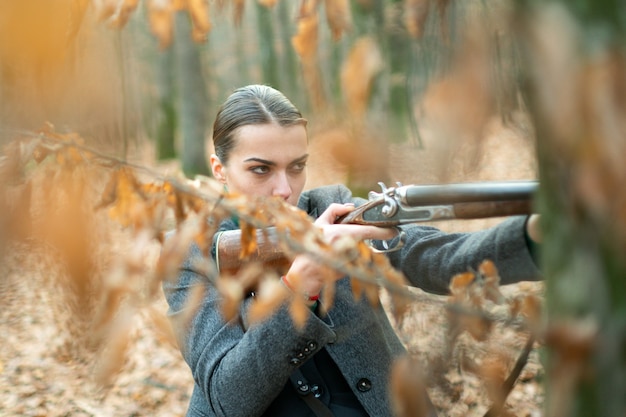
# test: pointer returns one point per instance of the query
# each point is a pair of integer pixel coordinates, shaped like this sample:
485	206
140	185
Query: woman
339	363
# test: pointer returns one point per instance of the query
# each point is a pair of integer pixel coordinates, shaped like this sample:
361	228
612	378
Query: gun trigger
401	240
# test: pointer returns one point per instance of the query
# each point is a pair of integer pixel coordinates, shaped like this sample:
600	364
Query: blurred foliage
380	71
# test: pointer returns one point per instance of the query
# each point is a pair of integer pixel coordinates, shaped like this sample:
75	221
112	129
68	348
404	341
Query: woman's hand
533	228
308	276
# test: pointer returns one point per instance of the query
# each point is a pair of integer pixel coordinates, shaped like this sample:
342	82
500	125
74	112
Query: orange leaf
305	40
270	295
199	12
477	326
108	8
232	293
408	391
339	17
127	7
362	65
415	14
461	281
109	195
238	8
299	312
161	18
194	300
248	240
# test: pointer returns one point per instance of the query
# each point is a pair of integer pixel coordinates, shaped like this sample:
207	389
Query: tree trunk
576	90
267	49
192	99
166	106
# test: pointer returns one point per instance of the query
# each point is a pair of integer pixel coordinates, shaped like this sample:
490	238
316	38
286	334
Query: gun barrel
424	195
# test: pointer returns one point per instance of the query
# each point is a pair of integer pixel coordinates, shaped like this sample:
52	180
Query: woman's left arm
431	258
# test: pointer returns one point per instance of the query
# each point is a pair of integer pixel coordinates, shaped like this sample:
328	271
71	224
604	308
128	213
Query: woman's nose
282	187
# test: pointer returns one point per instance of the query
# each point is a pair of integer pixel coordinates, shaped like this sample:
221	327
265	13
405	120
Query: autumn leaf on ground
408	390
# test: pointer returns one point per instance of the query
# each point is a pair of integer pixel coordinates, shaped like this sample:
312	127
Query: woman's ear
218	169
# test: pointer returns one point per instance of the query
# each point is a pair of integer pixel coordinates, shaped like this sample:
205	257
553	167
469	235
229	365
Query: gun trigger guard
399	244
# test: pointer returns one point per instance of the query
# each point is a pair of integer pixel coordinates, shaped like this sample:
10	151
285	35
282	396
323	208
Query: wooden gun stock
228	249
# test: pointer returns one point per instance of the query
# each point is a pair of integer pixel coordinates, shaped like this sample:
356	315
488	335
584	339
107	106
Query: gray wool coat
238	371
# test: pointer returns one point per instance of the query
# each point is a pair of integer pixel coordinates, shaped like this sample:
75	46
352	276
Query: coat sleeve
239	371
430	257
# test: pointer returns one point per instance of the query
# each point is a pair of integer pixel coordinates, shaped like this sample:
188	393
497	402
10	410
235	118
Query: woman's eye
260	169
299	167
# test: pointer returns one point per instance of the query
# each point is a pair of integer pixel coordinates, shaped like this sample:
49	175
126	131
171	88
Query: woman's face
267	160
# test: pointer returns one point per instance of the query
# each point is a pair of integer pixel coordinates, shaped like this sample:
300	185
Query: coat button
364	385
294	361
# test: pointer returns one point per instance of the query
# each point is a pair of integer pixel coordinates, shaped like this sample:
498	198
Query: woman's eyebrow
301	159
272	163
259	160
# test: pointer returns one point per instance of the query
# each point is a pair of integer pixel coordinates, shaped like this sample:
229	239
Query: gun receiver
397	206
424	203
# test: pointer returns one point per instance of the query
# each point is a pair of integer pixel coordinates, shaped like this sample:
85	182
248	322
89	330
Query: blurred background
415	91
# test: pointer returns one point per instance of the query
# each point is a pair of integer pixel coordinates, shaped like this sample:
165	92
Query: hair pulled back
251	105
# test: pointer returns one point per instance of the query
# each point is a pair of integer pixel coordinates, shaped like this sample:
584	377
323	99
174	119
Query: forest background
414	91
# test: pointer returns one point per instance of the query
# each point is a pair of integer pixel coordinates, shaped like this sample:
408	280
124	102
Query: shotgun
396	206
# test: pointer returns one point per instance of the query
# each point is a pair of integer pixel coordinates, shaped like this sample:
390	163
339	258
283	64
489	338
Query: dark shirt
326	383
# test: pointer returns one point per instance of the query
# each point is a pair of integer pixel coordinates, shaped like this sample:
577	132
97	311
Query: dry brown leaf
232	293
248	240
363	63
327	298
108	8
299	311
267	3
478	326
113	356
194	301
491	281
163	325
161	18
270	295
339	17
238	9
408	390
174	251
415	15
199	12
357	288
306	38
460	283
109	195
531	309
204	237
372	294
493	373
116	289
127	7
